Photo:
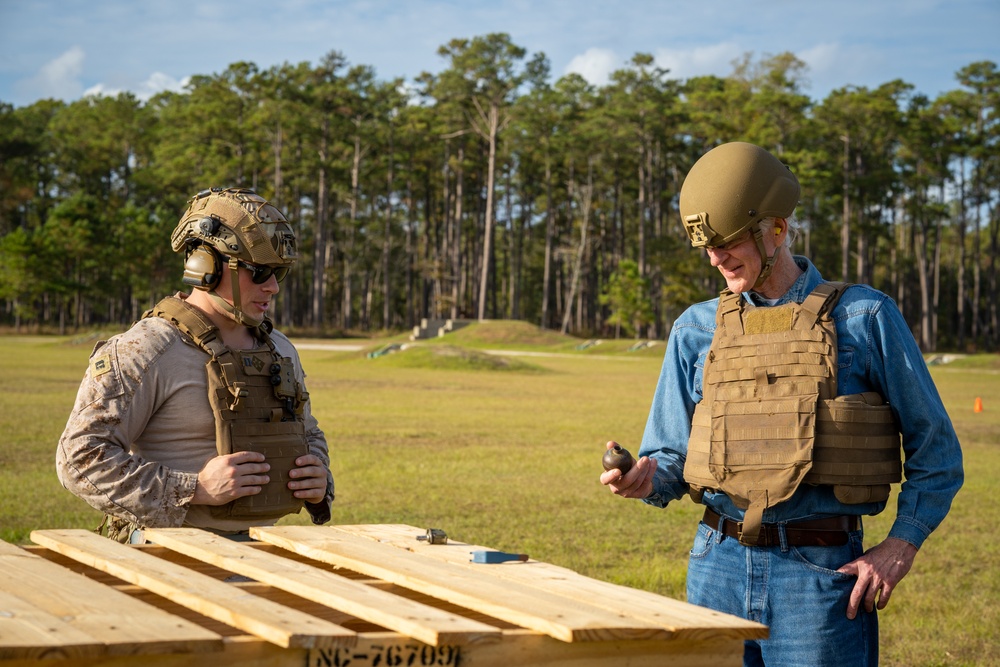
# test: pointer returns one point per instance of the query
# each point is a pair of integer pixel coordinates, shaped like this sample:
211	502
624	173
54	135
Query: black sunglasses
261	274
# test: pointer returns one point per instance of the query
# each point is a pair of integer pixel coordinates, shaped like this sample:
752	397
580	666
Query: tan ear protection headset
202	267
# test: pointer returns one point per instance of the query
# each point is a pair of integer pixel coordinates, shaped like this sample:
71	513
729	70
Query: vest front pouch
280	443
760	451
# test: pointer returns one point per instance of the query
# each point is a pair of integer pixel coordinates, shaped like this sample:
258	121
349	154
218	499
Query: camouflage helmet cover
732	187
236	222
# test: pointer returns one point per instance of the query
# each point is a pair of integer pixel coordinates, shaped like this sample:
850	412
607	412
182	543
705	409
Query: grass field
504	451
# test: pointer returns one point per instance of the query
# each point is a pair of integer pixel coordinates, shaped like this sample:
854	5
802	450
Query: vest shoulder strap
729	312
823	299
191	322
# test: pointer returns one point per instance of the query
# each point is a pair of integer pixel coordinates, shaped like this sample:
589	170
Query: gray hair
793	228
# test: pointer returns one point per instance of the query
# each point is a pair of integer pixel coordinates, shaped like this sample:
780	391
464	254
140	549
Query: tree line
487	190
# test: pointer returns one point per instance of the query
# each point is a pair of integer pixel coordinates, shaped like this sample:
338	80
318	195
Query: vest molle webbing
257	404
770	420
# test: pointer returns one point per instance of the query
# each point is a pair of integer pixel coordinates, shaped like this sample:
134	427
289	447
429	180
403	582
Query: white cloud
159	82
156	83
595	65
822	57
832	65
714	59
60	78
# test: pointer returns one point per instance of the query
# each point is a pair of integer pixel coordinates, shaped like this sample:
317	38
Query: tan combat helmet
240	226
731	189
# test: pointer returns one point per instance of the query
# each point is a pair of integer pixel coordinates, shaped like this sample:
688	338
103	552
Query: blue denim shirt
875	352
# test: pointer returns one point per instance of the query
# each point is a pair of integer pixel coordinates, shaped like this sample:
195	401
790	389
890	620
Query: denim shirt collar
799	290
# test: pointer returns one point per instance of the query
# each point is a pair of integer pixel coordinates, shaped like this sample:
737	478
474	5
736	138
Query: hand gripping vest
770	418
258	407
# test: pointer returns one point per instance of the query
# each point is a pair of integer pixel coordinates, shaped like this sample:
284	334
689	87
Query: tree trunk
960	273
642	213
925	269
457	294
549	232
845	229
493	128
319	233
584	194
387	241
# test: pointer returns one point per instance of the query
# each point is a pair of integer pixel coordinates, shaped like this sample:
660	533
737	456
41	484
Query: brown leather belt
830	532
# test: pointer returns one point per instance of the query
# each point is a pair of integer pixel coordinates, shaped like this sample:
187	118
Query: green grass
507	455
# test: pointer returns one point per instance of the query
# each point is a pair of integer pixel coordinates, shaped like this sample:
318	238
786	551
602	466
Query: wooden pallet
334	596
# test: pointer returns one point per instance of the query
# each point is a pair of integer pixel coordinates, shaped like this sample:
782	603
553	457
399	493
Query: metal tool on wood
434	536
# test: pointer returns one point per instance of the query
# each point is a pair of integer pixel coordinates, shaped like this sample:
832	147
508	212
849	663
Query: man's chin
255	320
246	319
737	285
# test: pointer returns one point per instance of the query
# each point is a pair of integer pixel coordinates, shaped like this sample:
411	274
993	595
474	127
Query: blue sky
68	48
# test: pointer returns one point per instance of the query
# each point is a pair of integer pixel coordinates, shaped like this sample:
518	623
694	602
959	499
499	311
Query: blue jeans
795	591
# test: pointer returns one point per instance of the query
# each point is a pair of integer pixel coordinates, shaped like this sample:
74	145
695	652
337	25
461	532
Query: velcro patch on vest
257	362
767	320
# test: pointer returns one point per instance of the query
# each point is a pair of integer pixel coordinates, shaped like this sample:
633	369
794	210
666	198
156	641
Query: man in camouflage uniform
779	408
152	442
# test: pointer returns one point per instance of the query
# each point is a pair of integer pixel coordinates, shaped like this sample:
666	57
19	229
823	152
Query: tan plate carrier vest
257	404
770	418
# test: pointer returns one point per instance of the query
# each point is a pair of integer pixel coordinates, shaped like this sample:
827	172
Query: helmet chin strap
766	262
233	308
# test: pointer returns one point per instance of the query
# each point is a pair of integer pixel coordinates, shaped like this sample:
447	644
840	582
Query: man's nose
716	255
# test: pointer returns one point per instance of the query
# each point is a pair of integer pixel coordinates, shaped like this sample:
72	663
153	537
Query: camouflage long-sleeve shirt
142	428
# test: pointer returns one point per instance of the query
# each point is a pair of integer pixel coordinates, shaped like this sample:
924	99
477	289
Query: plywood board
412	619
684	620
597	623
206	595
48	611
510	601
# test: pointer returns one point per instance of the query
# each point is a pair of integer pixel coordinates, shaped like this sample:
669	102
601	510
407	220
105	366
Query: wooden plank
510	601
684	620
27	632
540	651
208	596
524	647
412	619
519	647
44	606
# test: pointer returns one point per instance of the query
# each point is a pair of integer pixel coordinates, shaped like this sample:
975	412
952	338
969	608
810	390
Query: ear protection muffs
202	268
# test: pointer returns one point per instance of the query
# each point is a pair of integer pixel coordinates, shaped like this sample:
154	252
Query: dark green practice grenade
618	457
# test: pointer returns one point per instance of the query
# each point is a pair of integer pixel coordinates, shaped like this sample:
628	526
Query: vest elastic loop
753	518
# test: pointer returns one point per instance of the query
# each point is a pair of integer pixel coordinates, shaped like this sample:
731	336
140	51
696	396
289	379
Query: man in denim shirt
818	599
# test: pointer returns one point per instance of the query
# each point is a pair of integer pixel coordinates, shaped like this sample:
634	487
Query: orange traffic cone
978	405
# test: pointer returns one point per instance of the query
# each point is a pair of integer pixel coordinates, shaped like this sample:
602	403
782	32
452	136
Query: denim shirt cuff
909	531
656	500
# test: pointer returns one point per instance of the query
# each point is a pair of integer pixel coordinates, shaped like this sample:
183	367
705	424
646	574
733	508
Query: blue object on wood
495	557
